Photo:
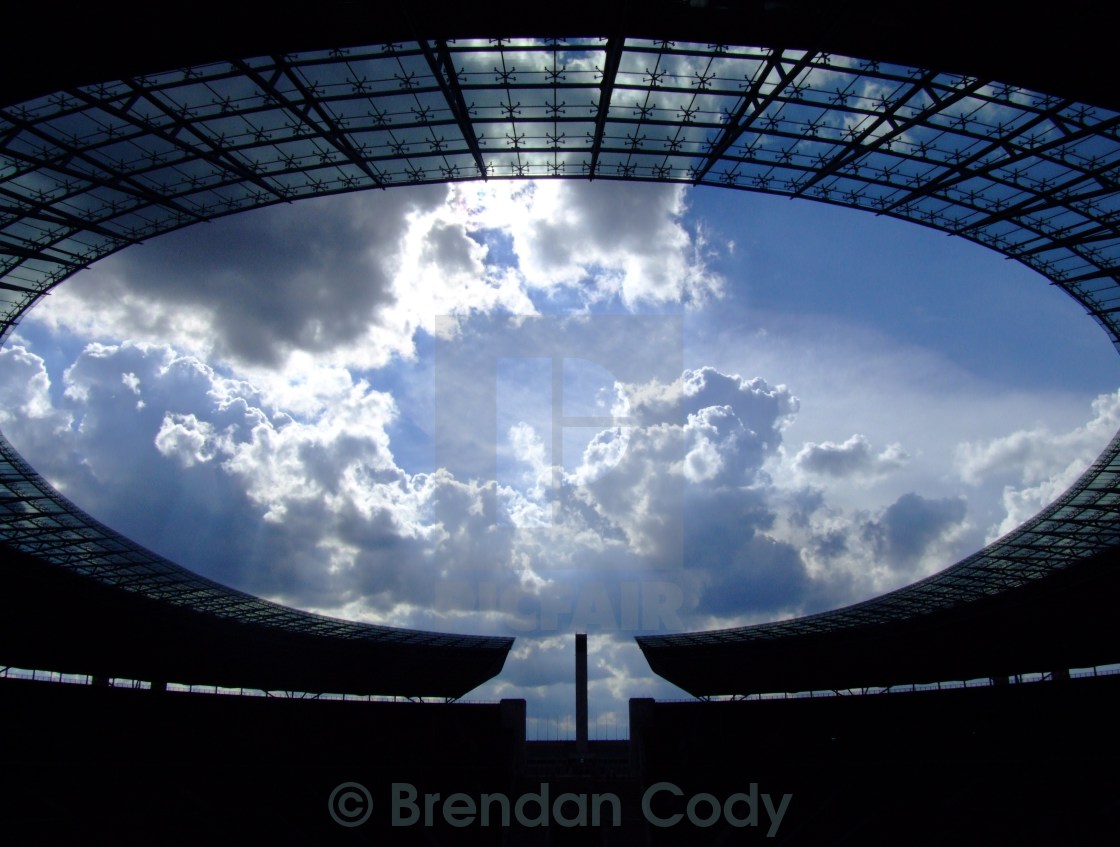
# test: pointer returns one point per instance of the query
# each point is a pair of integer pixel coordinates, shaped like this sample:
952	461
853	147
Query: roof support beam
963	170
869	142
613	58
444	71
111	178
328	128
742	121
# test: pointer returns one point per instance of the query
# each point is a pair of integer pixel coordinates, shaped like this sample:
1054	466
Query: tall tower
581	693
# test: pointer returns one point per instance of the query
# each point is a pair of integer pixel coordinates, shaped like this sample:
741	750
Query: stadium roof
911	114
1065	54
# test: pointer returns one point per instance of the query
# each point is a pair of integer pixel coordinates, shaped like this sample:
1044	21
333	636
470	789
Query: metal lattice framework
92	169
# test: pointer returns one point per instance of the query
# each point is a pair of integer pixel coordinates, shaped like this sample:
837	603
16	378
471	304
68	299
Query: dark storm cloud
283	278
447	247
910	524
803	503
739	568
831	544
456	543
761	575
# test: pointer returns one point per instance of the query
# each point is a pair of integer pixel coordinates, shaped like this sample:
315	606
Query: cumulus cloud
332	519
672	518
706	430
350	281
25	391
186	438
852	554
1033	455
611	241
29	417
338	525
1037	465
256	286
906	529
853	457
233	374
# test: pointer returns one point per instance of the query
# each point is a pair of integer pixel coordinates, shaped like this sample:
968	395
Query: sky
541	408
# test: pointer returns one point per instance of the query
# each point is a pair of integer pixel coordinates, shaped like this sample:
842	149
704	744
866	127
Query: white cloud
1038	454
254	287
707	429
624	241
853	457
346	529
186	438
1037	465
25	391
300	291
